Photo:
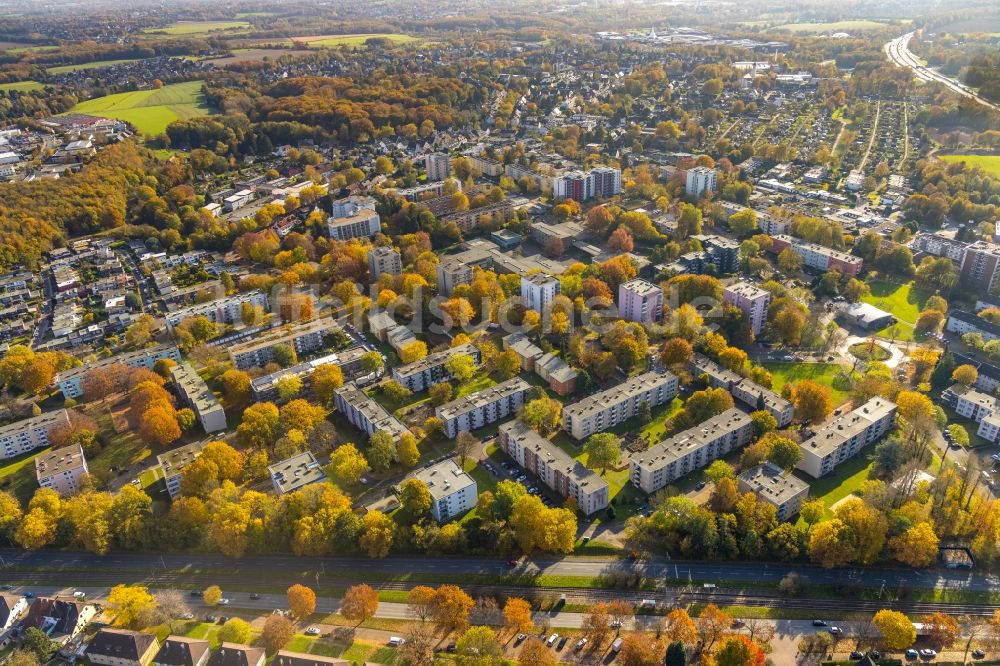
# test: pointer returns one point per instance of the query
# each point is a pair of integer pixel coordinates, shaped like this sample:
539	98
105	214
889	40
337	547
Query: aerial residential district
409	333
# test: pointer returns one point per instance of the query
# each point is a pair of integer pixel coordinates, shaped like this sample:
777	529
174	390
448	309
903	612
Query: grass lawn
62	69
22	86
361	652
150	111
829	374
904	301
479	382
358	40
832	26
845	479
988	163
17	475
198	27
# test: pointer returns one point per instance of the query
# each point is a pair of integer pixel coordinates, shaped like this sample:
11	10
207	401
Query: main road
898	50
60	565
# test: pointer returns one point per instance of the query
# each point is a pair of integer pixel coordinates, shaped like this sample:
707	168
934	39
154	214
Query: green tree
603	450
347	464
381	450
235	630
415	500
461	366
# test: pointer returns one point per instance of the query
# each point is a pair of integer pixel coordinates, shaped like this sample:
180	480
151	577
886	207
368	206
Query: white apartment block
353	217
785	492
486	166
640	301
817	256
228	310
453	491
450	274
194	393
71	381
173	463
773	226
700	180
482	408
303	337
30	434
438	166
431	370
751	300
538	290
556	468
365	414
383	259
296	473
61	470
690	450
979	407
608	408
843	437
751	394
940	246
599	182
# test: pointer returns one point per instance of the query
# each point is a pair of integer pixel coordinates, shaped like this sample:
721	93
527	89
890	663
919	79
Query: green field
903	301
198	27
22	86
832	26
17	475
828	374
150	111
62	69
358	40
988	163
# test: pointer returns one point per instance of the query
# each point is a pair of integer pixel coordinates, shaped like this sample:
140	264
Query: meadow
150	111
22	86
988	163
188	28
832	26
62	69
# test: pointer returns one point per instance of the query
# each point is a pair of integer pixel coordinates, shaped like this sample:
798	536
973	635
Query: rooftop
287	334
175	460
46	420
190	383
444	478
121	644
59	461
299	470
435	359
676	447
615	395
82	370
747	290
554	456
835	433
482	398
181	651
641	287
372	411
770	481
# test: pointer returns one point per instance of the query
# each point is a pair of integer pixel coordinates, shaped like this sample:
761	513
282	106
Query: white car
836	631
223	602
927	652
79	595
312	631
187	616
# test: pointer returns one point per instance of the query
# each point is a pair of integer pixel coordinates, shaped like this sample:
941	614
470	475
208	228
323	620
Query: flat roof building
690	450
62	469
484	407
431	369
556	468
354	217
173	463
366	414
71	381
30	434
784	491
751	300
453	491
227	310
640	301
194	393
847	434
303	337
751	394
296	473
610	407
383	259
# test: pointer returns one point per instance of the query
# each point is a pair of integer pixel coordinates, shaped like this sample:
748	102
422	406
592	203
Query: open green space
150	111
22	86
829	374
358	40
17	475
62	69
845	479
866	351
832	26
903	301
988	163
198	27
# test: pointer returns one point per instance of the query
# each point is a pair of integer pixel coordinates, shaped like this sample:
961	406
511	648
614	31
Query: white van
396	641
617	645
552	640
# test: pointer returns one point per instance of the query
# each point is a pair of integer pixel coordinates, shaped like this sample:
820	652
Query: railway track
664	596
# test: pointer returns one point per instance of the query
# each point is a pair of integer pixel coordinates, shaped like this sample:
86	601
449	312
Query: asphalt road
266	568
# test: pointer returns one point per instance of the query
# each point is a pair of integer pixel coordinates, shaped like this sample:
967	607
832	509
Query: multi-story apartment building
173	462
847	434
608	408
542	181
438	166
194	393
265	387
556	468
296	473
121	647
560	376
482	407
183	651
980	266
453	491
817	256
469	220
640	301
940	246
751	394
600	182
71	381
773	226
486	166
61	470
353	217
423	191
30	434
538	290
431	370
989	374
960	323
382	259
450	274
785	492
365	414
700	180
303	337
751	300
979	407
689	450
228	310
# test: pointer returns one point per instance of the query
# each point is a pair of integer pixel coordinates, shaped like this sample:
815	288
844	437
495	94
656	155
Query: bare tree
418	648
465	444
760	630
486	612
860	626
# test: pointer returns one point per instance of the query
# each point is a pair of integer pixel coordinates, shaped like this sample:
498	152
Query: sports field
22	86
988	163
199	27
832	26
62	69
150	111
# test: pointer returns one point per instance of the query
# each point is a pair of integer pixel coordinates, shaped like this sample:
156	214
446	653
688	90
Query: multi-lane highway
898	50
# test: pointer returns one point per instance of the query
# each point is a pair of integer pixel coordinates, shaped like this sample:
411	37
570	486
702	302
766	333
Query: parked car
552	640
195	593
520	639
312	631
912	654
928	653
995	457
223	601
580	644
700	485
836	631
396	641
857	655
211	618
187	616
223	619
819	623
562	643
978	654
737	623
